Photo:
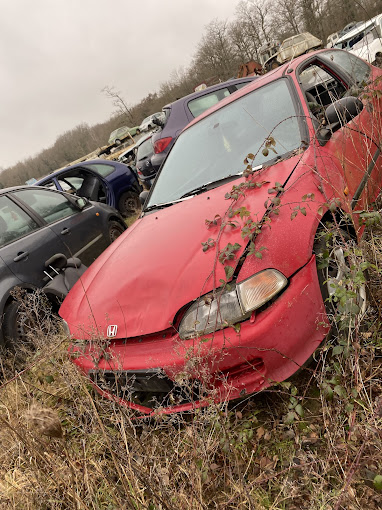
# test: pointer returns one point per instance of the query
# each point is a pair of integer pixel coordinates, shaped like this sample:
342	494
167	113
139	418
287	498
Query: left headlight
213	312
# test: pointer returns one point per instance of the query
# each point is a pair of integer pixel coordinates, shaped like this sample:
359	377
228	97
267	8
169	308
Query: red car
214	292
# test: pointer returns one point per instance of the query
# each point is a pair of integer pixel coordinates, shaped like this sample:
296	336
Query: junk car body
225	298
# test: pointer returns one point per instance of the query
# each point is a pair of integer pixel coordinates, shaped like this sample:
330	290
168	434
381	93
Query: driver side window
321	89
49	205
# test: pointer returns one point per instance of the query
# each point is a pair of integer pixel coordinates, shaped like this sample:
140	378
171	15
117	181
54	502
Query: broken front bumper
164	374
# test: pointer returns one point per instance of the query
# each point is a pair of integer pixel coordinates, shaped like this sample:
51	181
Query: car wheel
14	325
333	269
115	230
149	127
129	203
138	132
117	141
21	318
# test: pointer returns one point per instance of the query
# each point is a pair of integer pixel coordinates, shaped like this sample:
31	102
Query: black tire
117	141
332	255
138	132
149	127
115	230
129	203
16	325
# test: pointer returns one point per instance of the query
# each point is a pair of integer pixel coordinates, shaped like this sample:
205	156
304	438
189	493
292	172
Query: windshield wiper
162	206
204	187
215	184
210	185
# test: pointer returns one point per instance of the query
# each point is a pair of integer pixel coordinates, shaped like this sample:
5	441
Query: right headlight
213	312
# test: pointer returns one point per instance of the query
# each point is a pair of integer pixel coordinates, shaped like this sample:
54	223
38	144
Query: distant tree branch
118	102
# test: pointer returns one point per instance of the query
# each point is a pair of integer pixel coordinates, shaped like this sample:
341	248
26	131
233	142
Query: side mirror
142	197
81	202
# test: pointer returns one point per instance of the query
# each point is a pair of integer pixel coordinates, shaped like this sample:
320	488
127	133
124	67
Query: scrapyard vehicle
297	45
364	40
291	48
36	224
226	297
268	55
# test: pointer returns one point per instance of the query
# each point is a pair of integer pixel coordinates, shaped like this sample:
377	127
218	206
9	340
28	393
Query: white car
148	123
364	40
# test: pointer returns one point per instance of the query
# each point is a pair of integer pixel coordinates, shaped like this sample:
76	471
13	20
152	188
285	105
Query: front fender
286	239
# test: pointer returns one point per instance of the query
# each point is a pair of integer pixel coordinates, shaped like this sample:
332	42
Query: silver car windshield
215	148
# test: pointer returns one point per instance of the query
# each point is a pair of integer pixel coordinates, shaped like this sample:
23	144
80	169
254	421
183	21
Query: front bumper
164	374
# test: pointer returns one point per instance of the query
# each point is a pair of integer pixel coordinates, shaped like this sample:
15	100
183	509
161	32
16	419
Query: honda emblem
112	331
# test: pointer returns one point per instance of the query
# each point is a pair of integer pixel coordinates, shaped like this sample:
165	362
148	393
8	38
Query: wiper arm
162	206
214	184
157	206
199	189
195	191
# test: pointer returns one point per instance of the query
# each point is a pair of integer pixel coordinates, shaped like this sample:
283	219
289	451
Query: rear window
102	169
145	149
201	104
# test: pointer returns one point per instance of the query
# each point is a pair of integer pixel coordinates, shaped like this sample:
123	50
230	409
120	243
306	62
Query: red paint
143	282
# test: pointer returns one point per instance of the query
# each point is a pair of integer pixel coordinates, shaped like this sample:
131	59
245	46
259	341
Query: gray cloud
57	55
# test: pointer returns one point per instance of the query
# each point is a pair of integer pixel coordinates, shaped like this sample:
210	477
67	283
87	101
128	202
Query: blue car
109	182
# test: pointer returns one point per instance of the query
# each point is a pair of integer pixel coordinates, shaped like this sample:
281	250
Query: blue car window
71	184
201	104
101	169
241	85
49	184
14	222
49	205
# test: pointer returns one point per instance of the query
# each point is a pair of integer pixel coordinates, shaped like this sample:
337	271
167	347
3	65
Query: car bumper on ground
164	374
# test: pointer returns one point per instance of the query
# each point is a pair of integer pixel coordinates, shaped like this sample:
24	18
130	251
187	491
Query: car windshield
215	148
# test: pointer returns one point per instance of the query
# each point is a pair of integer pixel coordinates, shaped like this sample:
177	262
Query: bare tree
215	54
286	18
118	102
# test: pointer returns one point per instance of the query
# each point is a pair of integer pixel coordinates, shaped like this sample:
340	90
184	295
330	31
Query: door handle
21	255
65	231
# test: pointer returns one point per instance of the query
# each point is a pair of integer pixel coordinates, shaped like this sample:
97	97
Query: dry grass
311	443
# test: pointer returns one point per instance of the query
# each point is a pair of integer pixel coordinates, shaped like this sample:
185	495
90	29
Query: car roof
358	28
4	191
279	72
76	165
211	88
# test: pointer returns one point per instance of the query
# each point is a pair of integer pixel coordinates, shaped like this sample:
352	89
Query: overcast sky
57	55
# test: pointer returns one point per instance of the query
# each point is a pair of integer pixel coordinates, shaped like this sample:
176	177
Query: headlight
213	312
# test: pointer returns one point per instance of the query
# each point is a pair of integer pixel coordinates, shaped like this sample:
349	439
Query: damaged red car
214	293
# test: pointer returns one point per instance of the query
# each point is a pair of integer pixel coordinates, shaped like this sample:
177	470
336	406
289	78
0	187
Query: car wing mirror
337	115
142	197
81	202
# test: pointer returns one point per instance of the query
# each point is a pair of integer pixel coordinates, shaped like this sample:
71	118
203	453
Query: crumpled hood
158	265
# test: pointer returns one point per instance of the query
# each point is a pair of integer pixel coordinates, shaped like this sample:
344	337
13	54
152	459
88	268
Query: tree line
222	48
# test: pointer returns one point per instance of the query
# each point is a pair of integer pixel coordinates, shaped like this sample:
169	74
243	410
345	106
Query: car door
351	145
79	231
25	243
